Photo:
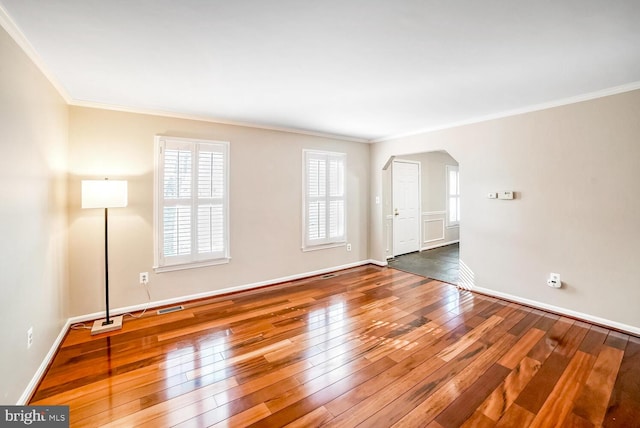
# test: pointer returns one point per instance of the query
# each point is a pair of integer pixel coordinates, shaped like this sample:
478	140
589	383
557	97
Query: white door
405	177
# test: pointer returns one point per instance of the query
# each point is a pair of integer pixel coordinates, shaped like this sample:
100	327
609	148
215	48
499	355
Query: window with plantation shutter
453	196
324	199
191	219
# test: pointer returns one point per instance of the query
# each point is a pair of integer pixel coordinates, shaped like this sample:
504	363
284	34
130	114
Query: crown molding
528	109
204	118
16	34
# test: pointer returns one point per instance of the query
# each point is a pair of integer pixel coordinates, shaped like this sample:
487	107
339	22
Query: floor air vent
171	309
327	276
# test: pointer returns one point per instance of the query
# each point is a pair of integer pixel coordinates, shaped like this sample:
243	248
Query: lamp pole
107	321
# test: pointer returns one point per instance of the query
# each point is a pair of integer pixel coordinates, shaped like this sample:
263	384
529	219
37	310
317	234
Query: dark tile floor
441	263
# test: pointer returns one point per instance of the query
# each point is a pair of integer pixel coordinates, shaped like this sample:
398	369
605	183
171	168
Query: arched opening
422	218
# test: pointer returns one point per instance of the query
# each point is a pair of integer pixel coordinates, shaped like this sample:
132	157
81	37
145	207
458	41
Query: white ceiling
366	69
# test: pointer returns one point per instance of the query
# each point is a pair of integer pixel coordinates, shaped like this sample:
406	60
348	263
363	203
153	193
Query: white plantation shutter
191	202
210	218
324	198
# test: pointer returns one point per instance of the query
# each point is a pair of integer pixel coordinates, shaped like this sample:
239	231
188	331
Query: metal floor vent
171	309
327	276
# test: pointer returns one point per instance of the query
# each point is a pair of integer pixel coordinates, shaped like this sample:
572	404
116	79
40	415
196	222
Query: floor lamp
105	194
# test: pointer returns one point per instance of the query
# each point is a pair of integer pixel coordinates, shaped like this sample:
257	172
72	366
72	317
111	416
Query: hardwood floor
370	347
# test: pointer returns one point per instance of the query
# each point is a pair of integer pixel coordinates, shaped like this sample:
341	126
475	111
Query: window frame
193	259
456	195
327	242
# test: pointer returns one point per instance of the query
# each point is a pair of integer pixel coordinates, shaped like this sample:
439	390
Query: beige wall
265	208
33	252
576	171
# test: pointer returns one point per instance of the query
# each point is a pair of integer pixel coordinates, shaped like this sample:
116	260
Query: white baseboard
441	244
207	294
37	377
35	380
562	311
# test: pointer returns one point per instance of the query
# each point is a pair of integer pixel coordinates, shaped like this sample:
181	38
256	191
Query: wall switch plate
505	195
144	278
492	195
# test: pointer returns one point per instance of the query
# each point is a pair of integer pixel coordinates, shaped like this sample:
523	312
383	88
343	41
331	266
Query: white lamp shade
104	193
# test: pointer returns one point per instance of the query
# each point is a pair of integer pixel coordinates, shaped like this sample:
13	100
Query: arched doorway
438	234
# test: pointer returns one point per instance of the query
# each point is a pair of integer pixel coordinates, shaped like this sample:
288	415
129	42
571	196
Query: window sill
323	246
194	265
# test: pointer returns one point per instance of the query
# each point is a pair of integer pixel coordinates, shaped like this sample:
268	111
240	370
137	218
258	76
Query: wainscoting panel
433	230
433	227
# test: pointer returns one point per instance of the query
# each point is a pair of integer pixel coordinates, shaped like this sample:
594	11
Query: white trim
441	244
628	87
37	377
389	163
388	236
16	34
193	265
563	311
426	213
209	119
227	290
424	229
324	246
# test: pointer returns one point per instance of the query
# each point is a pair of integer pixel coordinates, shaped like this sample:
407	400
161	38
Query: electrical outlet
348	247
29	337
144	278
554	280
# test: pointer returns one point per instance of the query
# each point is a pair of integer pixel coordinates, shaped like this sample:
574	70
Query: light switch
492	195
505	195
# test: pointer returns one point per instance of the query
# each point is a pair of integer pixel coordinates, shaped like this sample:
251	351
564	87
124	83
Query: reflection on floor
440	263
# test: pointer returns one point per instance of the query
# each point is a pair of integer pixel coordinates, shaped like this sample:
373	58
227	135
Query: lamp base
115	324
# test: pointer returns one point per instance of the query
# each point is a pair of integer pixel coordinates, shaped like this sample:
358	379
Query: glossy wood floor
370	347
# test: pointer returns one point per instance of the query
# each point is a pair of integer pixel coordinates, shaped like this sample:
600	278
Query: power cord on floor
146	288
79	326
83	326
